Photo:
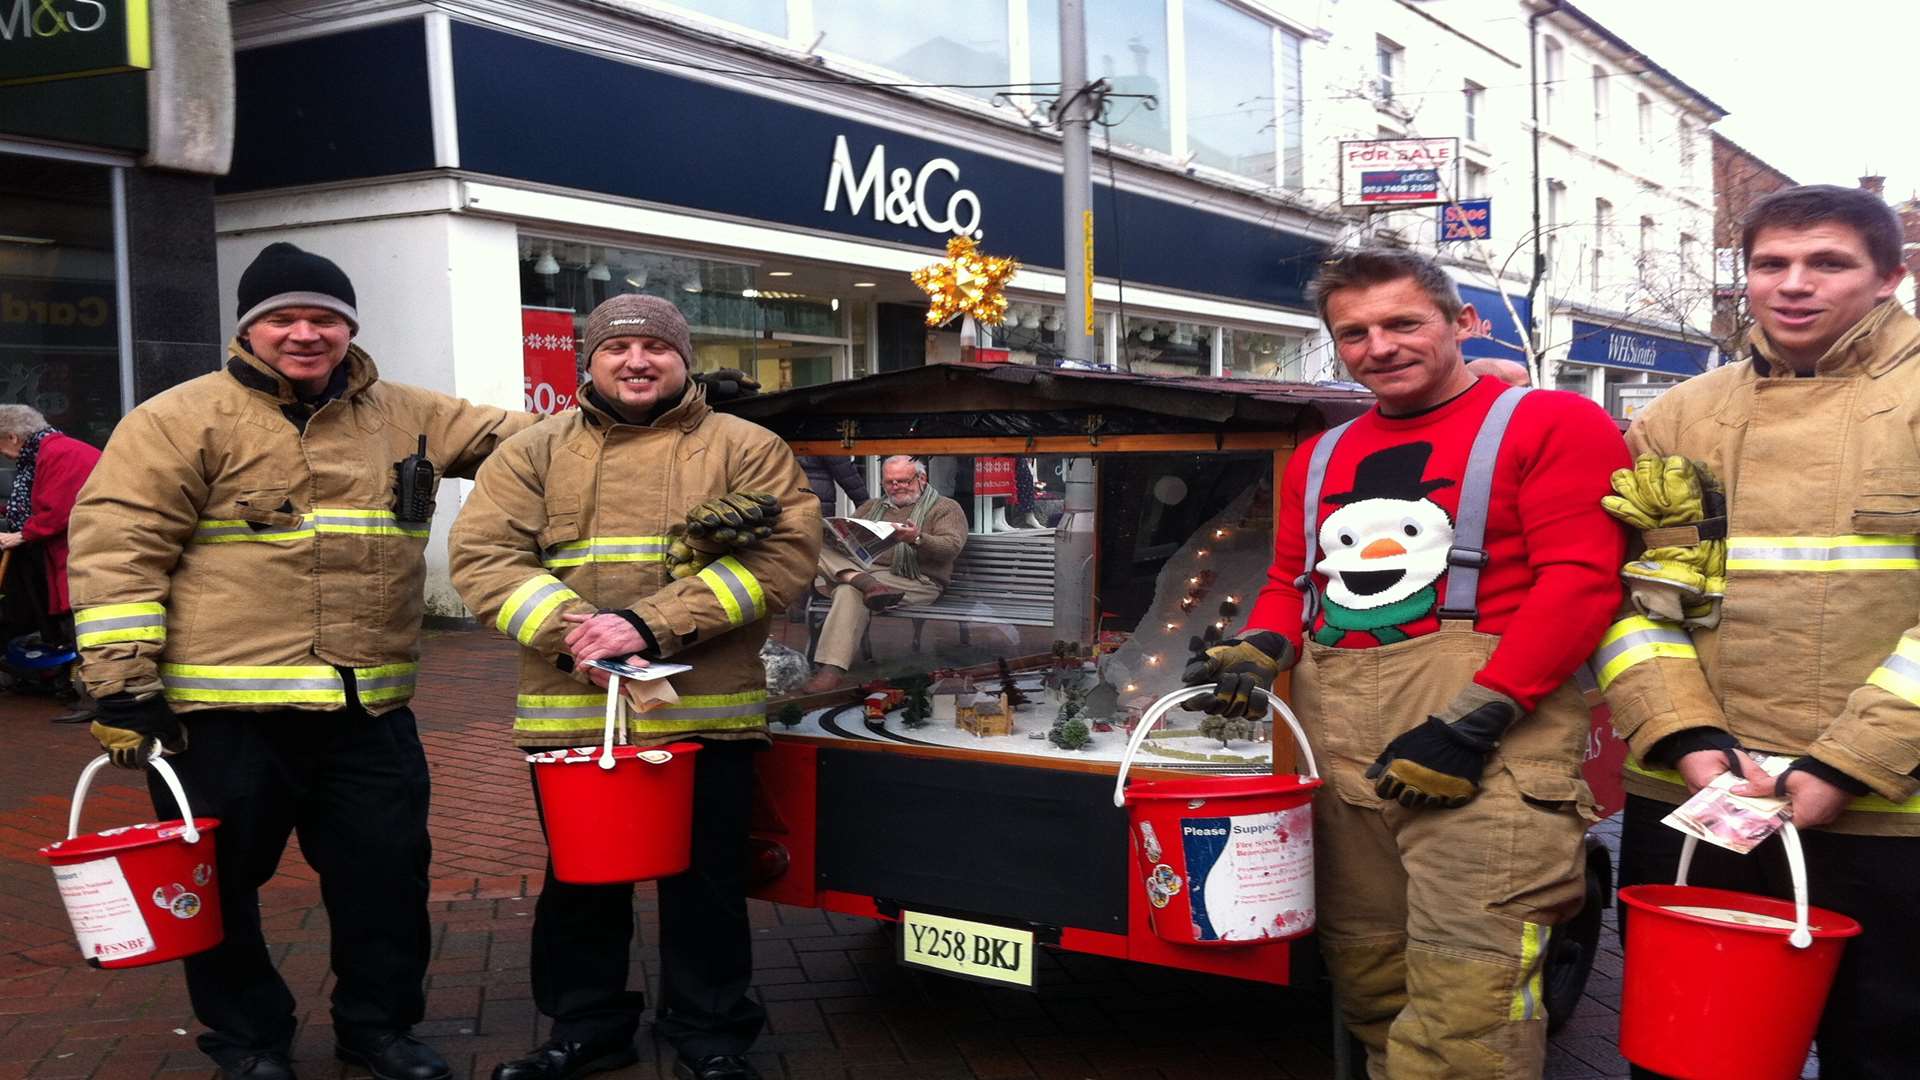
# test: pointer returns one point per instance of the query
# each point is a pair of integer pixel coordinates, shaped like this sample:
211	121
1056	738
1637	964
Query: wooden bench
1003	579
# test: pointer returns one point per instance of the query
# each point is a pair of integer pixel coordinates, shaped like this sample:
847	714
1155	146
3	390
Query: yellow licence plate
972	950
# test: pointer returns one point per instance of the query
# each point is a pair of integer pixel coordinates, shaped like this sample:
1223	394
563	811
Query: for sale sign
552	373
1398	172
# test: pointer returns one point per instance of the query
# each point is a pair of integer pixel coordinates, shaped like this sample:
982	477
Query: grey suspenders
1467	557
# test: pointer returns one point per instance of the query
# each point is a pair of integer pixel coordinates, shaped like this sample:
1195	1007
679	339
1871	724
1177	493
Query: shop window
1036	334
1127	46
1228	126
1254	355
775	334
59	310
898	36
766	16
1165	347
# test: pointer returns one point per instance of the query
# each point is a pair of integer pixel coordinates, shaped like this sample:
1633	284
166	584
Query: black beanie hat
284	276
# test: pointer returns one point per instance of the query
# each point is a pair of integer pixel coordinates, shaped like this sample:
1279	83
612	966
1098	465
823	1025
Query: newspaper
1735	822
858	539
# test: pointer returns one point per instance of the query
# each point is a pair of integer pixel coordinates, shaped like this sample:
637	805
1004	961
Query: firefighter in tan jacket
241	558
1813	655
567	544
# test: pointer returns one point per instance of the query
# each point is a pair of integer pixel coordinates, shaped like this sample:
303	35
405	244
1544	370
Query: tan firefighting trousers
847	618
1435	923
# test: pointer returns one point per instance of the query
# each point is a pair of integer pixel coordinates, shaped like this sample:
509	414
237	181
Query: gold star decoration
966	283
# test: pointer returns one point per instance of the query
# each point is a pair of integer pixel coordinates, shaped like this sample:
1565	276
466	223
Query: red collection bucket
1226	860
617	814
139	894
1707	998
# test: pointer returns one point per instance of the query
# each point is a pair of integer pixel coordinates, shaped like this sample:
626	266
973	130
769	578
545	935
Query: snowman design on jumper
1386	547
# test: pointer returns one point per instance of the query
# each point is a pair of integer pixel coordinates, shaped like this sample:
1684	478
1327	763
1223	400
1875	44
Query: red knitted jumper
1386	519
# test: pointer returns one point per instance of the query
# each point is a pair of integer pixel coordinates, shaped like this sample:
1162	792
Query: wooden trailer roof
1002	401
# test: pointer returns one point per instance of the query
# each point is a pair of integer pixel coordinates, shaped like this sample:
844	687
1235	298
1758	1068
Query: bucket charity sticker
106	917
1251	876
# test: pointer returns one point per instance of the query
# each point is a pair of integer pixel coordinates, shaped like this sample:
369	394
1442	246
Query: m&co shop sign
64	39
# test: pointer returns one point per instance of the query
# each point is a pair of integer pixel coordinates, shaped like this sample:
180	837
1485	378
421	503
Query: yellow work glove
1657	492
1675	583
687	556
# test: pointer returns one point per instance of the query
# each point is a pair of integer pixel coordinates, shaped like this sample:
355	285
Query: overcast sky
1825	92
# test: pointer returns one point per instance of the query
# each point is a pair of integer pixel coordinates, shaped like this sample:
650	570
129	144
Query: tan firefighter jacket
223	554
1817	651
572	516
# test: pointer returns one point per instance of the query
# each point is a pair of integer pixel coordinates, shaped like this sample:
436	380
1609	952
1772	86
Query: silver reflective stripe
190	682
95	626
1611	651
1901	665
1470	520
532	604
742	598
1823	553
592	712
384	682
710	712
1310	516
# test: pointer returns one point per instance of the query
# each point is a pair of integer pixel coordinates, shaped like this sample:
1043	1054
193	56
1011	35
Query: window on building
1292	115
1228	126
1601	104
1552	59
1689	249
1388	61
894	35
1646	120
1646	242
1126	45
1250	354
1475	181
1556	205
1471	95
1687	152
1602	229
766	16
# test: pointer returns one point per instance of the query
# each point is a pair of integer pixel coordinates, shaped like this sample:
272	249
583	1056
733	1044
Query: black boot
557	1059
393	1055
268	1066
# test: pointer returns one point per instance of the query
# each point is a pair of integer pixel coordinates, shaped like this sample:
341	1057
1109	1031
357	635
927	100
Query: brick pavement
840	1006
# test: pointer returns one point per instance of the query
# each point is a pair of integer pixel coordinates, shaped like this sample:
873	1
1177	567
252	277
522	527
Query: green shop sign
41	40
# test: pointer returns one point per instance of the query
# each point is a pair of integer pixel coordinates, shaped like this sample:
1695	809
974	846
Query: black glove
1815	767
126	728
1438	764
1238	666
727	384
1668	751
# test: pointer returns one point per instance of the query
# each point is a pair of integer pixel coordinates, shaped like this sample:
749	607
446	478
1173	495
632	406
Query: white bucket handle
192	833
1802	936
1276	709
616	718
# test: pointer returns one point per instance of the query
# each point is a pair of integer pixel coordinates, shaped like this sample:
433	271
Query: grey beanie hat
638	315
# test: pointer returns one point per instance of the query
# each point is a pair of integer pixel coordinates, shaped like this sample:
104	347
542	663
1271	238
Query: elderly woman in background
48	470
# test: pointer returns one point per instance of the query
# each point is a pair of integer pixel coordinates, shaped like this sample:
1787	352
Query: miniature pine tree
919	708
1015	698
789	715
1071	735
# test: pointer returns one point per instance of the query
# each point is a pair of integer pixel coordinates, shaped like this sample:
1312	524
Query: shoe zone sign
1631	350
43	40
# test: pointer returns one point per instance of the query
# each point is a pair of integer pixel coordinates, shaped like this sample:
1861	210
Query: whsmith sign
1607	346
42	40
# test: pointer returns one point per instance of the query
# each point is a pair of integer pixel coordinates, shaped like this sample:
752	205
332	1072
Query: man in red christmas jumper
1445	565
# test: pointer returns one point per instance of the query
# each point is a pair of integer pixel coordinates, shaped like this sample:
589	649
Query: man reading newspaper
927	531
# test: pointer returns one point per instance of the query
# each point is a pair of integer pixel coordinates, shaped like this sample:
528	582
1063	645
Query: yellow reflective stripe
526	610
108	623
386	683
605	549
1529	1000
1873	804
1635	640
236	531
693	712
364	523
738	591
303	684
1823	554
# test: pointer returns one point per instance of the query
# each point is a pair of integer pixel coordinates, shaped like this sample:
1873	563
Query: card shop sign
993	476
552	375
1469	219
41	40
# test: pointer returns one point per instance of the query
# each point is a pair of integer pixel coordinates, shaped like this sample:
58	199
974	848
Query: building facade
1740	178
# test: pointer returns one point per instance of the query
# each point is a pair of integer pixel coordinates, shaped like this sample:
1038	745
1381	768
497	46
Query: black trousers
354	787
1871	1027
582	933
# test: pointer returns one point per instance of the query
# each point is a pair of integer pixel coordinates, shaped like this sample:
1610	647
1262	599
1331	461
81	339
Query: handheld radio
414	489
